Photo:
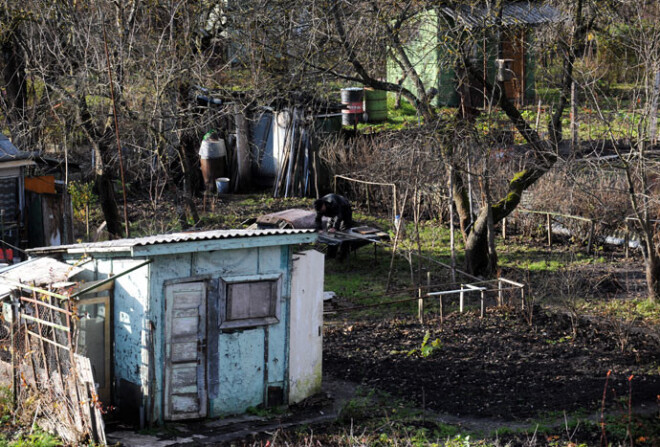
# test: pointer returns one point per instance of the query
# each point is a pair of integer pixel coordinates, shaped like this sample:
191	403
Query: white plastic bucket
222	184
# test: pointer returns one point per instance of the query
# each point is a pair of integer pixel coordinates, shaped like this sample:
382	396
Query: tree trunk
653	276
186	149
462	202
477	259
108	203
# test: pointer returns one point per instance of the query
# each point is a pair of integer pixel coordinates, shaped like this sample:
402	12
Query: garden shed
12	191
432	36
200	324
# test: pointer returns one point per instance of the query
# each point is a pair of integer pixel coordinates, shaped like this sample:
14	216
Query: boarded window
249	303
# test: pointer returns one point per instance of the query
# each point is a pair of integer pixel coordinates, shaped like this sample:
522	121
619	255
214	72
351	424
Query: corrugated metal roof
516	13
10	152
38	271
127	244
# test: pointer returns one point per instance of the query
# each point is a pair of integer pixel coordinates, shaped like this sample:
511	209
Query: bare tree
640	163
350	41
61	59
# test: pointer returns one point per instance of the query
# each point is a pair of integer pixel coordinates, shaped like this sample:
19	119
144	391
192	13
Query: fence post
626	239
499	292
522	297
420	306
549	225
591	236
14	365
460	300
442	317
368	201
482	303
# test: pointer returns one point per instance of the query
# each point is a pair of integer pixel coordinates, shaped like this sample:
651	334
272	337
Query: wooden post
499	292
14	366
87	221
504	229
428	283
549	225
452	243
442	318
626	240
591	236
575	125
482	303
420	306
522	297
394	200
461	299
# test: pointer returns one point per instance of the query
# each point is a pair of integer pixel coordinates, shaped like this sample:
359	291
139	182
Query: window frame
223	288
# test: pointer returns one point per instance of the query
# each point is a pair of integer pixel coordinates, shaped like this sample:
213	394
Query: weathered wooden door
513	48
185	351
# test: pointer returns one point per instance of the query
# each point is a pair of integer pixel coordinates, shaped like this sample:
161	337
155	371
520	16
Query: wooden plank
44	304
46	323
47	340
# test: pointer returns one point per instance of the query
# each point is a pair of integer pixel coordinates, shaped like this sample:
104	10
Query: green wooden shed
431	41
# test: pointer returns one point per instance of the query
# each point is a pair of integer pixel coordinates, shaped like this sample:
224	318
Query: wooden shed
12	192
34	210
201	324
429	49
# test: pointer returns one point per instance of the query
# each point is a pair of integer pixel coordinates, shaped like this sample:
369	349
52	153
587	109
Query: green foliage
636	309
427	348
82	198
6	404
264	412
560	340
37	438
359	407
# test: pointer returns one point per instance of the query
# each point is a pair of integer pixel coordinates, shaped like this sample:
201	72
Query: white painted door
185	351
306	328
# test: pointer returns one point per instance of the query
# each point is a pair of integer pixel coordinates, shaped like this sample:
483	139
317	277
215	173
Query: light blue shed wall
242	370
130	304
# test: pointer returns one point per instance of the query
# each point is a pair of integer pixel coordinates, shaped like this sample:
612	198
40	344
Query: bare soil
498	367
